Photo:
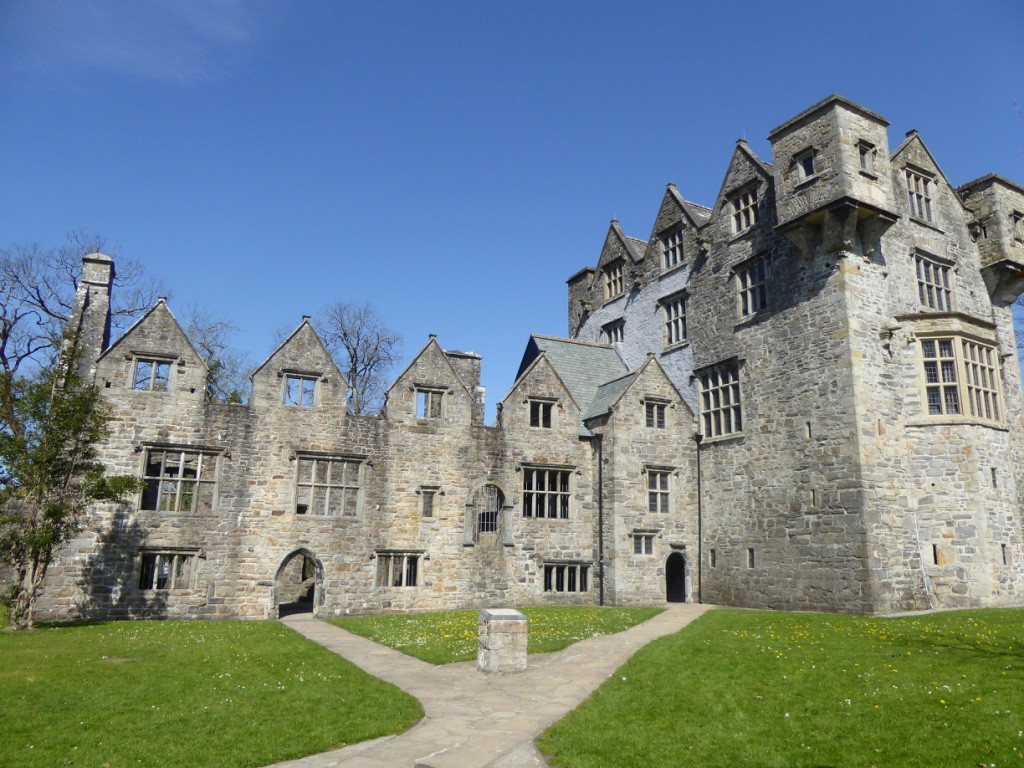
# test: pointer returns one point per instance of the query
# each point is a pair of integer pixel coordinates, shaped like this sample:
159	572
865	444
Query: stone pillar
501	641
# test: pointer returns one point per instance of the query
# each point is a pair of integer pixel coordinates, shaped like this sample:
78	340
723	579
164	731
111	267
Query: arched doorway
298	585
675	578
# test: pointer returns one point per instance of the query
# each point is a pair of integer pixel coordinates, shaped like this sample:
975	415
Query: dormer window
919	193
672	248
744	210
151	374
299	390
614	282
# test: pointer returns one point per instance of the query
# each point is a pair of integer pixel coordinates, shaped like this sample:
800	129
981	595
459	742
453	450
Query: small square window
655	415
150	374
540	413
166	570
299	391
643	543
398	569
428	403
804	162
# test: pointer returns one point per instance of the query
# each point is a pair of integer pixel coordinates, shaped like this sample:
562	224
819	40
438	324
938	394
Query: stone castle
806	396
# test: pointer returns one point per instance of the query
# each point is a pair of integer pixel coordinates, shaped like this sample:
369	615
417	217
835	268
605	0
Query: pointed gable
430	389
922	189
582	366
154	354
300	372
743	197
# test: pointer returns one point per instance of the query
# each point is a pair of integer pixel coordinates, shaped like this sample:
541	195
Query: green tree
50	472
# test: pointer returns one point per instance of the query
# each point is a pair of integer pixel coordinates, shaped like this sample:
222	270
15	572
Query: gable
431	371
302	357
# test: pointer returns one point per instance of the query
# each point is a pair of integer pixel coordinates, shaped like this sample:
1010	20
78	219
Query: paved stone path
473	720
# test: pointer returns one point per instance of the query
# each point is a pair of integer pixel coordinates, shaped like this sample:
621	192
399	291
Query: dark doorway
297	584
675	578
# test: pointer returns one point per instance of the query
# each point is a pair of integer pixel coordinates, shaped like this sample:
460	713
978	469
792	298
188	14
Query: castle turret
832	179
997	226
89	323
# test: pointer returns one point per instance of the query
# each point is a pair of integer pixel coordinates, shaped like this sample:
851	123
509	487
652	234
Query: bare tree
229	368
37	292
364	347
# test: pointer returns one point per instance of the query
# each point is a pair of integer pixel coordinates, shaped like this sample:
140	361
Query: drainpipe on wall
697	438
600	519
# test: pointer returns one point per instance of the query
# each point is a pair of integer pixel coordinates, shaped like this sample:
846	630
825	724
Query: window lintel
302	373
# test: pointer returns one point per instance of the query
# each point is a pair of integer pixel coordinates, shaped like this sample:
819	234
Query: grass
443	637
753	688
171	693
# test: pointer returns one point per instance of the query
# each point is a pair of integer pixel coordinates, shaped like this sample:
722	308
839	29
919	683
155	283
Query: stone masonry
803	396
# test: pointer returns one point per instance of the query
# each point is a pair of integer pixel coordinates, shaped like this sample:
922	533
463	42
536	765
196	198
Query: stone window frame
659	488
934	281
956	370
541	412
614	279
547	491
300	389
567	576
1017	226
319	499
672	249
867	155
151	373
805	164
407	573
643	542
752	277
164	569
430	401
655	412
721	400
674	311
186	487
615	331
743	209
921	187
429	499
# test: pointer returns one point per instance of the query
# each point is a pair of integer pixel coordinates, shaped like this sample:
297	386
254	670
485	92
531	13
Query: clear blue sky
451	162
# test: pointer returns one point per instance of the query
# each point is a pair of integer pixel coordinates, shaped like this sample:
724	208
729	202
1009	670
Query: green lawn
757	688
441	637
171	693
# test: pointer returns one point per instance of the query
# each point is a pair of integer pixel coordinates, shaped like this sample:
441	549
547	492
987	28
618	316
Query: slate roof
583	366
607	395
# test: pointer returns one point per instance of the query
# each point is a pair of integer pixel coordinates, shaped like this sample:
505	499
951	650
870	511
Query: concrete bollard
501	641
